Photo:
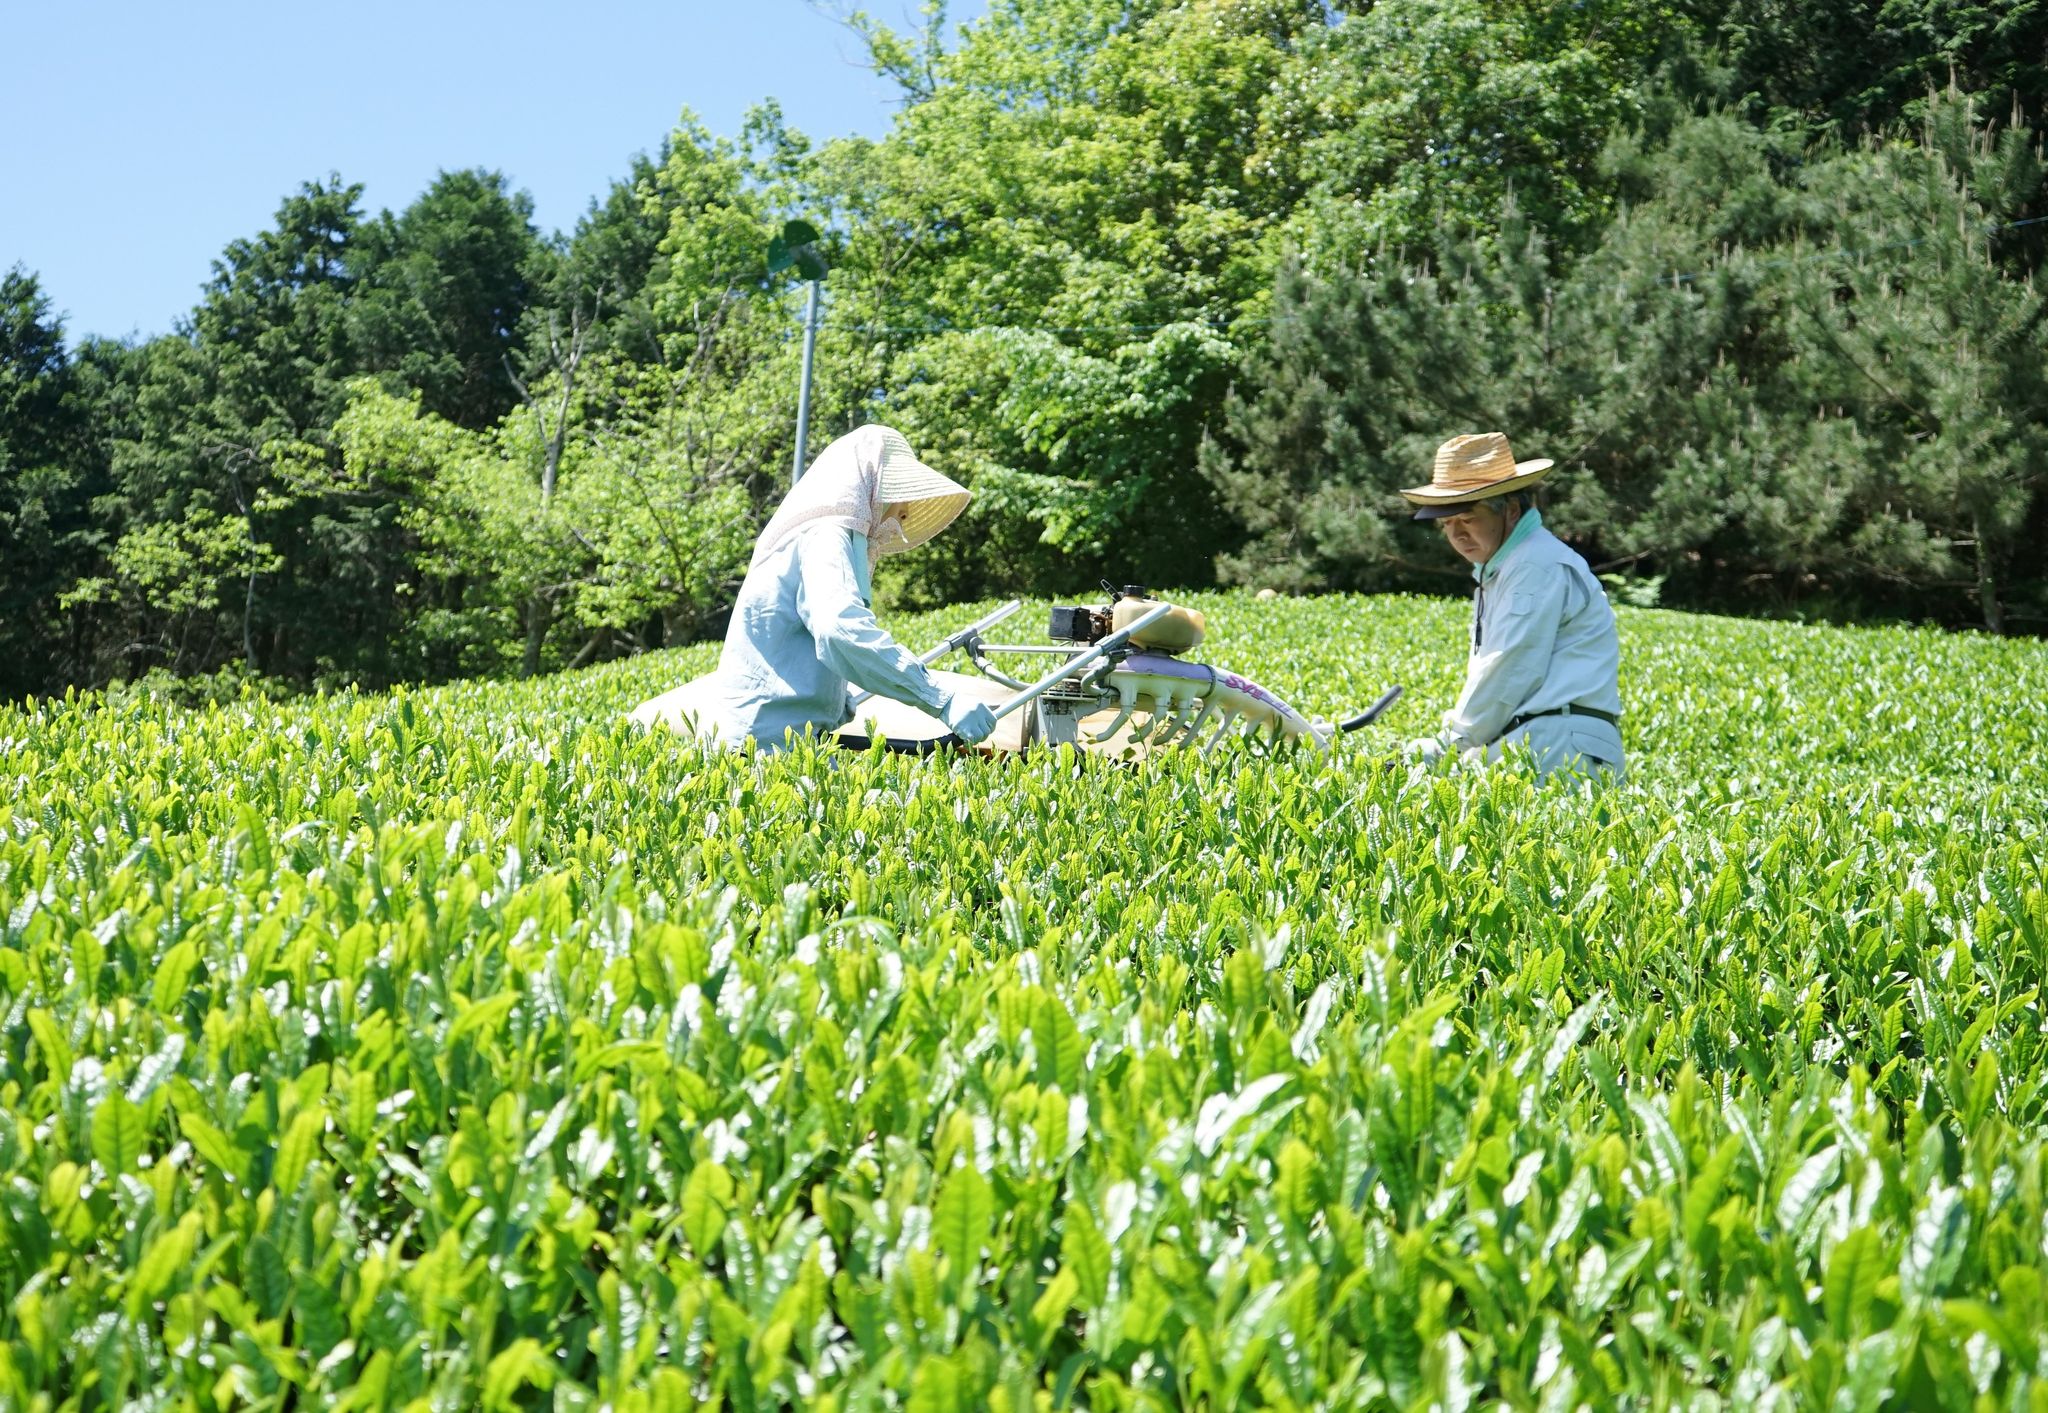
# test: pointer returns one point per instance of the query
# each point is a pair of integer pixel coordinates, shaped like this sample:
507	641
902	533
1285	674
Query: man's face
1478	532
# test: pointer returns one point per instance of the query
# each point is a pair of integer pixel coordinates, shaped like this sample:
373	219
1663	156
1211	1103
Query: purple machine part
1158	665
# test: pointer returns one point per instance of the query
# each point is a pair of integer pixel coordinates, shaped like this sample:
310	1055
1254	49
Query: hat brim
1436	502
930	501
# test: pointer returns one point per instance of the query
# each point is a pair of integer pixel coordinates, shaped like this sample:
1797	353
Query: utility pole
803	396
797	249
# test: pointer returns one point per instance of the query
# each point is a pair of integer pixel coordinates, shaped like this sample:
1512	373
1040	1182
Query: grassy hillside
469	1046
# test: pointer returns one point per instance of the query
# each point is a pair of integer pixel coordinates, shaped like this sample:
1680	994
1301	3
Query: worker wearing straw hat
1545	659
802	629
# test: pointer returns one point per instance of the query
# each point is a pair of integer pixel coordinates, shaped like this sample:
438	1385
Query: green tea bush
469	1048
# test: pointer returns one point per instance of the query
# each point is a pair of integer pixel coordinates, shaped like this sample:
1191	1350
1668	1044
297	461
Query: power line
945	327
1993	228
1674	277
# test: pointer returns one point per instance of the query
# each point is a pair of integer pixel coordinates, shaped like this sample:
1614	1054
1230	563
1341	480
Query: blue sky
149	135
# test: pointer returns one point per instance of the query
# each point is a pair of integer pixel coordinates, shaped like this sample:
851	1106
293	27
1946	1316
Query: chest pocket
1512	611
1503	613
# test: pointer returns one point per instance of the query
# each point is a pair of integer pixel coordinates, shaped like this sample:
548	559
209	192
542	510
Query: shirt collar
1529	524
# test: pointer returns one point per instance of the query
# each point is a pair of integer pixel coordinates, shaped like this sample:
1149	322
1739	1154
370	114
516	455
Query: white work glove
1427	749
967	719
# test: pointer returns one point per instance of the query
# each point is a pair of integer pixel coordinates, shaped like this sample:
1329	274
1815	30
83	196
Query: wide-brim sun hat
1470	469
930	501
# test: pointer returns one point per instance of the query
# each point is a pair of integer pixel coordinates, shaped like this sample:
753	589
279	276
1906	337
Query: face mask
888	537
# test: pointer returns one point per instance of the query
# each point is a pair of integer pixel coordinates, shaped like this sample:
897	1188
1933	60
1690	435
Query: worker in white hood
803	629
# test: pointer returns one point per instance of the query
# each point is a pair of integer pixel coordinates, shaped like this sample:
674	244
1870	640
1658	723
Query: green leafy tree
50	470
446	289
33	369
644	534
175	572
611	505
228	421
1420	119
475	515
611	258
1079	461
1935	344
1771	384
1855	67
1043	265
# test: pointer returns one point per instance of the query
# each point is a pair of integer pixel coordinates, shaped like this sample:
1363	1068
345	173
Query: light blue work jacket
1542	637
802	630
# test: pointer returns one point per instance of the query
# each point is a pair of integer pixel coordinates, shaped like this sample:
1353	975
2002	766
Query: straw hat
928	501
1470	469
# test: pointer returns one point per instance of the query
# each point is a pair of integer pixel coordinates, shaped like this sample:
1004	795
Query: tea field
468	1049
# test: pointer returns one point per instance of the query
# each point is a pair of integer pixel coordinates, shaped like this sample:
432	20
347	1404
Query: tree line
1183	290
